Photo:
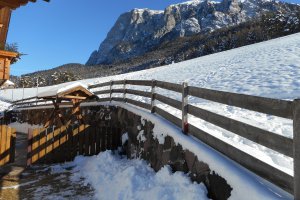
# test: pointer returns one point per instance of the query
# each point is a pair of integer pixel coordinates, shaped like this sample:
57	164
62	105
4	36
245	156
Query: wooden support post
5	14
124	89
110	88
153	96
296	147
184	109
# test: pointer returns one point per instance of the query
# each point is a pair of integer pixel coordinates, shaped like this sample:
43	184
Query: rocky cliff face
141	30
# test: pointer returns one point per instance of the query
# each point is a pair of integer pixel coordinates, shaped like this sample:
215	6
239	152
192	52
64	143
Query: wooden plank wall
7	144
56	145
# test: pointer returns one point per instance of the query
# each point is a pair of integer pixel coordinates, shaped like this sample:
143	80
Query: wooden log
169	101
109	137
75	142
124	91
103	100
7	147
42	147
139	82
296	148
99	85
103	138
184	108
102	92
29	146
49	145
2	145
13	145
253	164
56	144
87	133
269	106
92	140
110	88
271	140
81	139
118	82
98	140
139	93
63	144
114	144
139	104
169	86
35	146
171	118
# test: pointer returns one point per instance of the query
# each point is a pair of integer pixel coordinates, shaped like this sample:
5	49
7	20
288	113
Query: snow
114	177
53	91
242	181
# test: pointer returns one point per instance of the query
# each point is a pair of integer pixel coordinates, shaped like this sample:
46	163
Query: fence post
124	89
296	147
184	109
110	88
153	96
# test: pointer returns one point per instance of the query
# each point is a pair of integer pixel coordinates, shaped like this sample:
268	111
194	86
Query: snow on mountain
140	30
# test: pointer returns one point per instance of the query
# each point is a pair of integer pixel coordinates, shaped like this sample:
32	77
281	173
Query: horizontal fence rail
280	108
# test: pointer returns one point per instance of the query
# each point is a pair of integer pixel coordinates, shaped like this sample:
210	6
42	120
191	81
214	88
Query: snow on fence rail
280	108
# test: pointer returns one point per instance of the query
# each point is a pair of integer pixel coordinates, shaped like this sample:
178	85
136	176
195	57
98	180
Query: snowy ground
269	69
108	176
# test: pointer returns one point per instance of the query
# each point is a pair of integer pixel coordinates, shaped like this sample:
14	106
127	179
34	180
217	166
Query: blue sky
67	31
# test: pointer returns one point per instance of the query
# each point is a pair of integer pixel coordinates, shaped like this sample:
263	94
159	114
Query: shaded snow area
112	177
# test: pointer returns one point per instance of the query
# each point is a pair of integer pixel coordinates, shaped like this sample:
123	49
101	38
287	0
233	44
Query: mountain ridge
142	30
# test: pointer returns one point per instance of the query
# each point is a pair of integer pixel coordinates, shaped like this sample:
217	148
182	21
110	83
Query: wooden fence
7	144
281	108
55	145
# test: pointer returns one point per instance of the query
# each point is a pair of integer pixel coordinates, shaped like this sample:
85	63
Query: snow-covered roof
7	84
67	90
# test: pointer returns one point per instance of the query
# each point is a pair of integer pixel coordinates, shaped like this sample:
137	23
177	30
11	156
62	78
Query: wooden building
6	7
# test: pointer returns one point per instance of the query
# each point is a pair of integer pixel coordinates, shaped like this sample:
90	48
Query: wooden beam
73	97
5	14
296	148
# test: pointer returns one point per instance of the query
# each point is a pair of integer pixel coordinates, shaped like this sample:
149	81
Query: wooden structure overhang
13	4
75	94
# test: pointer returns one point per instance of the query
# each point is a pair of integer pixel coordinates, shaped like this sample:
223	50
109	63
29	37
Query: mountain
142	30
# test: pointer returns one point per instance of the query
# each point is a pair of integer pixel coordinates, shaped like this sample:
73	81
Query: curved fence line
280	108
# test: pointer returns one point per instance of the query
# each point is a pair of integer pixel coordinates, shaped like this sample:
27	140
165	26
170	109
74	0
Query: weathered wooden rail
281	108
7	144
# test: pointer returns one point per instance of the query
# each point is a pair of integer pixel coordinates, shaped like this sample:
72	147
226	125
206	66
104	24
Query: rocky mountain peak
141	30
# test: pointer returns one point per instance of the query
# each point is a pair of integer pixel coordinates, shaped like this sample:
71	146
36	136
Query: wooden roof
74	91
13	4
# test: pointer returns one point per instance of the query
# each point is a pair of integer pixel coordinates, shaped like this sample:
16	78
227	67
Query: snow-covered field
269	69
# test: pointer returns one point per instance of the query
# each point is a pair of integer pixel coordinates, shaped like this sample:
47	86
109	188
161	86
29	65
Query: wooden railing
281	108
61	144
